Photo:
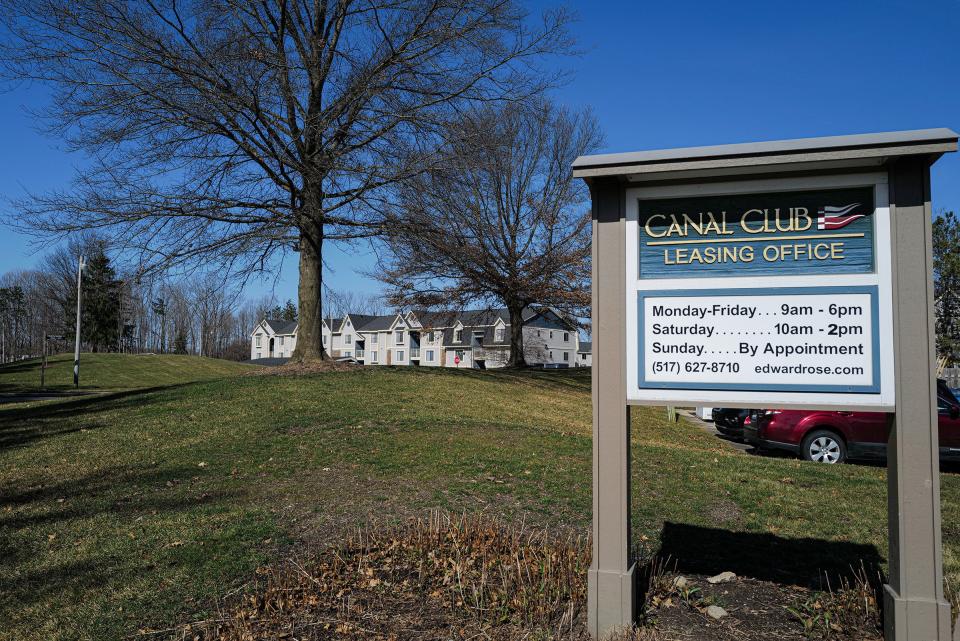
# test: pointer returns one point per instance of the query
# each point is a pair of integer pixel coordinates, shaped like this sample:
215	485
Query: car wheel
824	446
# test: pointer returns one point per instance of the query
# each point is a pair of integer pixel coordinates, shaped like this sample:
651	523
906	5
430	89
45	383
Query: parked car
729	421
833	437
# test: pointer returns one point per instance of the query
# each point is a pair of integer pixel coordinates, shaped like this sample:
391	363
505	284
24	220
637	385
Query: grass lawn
100	372
136	508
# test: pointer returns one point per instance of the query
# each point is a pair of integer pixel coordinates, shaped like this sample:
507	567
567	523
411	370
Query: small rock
716	612
723	577
681	582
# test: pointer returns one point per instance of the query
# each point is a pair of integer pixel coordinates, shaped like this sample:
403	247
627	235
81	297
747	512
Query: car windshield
944	393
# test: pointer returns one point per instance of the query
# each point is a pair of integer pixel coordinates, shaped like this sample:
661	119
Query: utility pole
76	349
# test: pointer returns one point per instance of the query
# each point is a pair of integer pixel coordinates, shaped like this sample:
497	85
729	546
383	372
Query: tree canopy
501	221
229	132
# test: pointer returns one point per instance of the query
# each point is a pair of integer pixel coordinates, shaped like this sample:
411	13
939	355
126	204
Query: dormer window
499	338
457	335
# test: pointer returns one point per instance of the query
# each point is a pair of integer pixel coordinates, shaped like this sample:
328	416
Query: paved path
691	416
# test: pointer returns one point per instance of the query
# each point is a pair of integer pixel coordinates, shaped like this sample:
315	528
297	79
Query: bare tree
339	303
502	221
235	131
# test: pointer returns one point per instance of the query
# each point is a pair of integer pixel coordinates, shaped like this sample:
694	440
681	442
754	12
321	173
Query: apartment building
467	339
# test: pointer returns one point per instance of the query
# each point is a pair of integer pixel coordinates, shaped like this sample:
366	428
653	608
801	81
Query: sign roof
875	145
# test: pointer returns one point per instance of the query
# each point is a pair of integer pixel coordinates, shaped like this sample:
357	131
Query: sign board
745	295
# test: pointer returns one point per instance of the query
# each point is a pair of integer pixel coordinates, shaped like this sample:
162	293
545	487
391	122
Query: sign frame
915	606
881	278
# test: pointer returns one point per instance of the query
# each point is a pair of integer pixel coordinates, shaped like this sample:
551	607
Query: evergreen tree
100	309
946	284
159	307
180	342
12	317
289	312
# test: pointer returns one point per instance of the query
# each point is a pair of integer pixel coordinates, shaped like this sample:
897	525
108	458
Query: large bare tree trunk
517	357
309	333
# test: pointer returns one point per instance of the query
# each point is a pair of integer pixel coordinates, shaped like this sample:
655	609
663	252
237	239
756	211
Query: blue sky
672	74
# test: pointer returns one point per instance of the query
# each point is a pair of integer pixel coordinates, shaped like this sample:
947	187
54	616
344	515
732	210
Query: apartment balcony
358	354
414	353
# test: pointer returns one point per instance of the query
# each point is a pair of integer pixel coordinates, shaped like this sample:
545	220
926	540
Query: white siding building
273	338
468	339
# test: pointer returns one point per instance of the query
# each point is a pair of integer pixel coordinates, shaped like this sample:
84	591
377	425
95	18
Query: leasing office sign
765	234
792	302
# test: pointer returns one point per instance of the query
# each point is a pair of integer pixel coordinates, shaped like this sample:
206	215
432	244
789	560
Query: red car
832	437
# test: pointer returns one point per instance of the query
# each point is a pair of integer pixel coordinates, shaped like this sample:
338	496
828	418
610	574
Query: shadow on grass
22	425
573	378
28	513
806	562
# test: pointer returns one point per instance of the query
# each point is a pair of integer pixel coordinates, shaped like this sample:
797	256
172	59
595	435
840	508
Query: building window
499	335
398	336
566	337
347	339
374	338
460	355
259	336
281	340
324	339
429	355
347	354
373	357
430	337
259	355
458	336
566	356
400	355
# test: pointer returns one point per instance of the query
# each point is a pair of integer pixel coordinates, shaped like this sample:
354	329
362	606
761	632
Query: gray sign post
748	234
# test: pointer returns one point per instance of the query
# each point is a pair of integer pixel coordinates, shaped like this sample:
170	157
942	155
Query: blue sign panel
787	233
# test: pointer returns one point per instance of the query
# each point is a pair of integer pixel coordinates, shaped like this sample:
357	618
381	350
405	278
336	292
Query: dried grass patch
442	577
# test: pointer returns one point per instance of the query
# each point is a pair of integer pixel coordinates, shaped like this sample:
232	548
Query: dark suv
832	437
729	421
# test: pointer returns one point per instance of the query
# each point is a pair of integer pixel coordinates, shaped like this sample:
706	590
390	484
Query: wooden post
611	577
914	604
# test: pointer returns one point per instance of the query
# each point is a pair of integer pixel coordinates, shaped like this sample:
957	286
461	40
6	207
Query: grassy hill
137	508
115	371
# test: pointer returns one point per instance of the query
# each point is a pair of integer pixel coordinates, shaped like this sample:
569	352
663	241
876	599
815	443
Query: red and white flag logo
837	217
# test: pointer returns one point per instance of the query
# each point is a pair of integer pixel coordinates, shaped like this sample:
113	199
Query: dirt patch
329	504
755	610
725	512
294	368
682	607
